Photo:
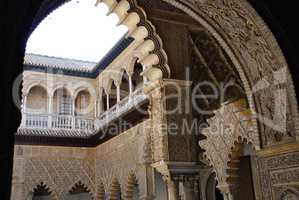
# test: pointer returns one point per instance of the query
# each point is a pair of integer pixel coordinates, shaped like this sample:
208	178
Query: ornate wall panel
59	168
230	124
258	59
279	175
181	130
122	156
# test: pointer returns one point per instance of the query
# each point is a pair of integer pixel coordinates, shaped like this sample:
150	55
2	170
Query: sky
77	30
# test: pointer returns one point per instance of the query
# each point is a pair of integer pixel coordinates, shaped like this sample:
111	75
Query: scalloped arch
83	186
140	28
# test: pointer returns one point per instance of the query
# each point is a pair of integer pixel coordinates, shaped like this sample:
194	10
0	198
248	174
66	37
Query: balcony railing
33	120
52	121
121	108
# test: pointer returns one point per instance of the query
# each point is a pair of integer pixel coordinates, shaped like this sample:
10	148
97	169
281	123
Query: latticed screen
65	105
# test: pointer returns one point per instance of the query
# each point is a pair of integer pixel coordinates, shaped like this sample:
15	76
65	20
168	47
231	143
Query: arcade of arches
239	144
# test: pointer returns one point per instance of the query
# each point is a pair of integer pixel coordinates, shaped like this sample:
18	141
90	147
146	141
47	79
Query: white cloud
76	30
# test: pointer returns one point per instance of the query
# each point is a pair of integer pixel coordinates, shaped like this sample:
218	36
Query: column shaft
118	93
50	111
95	108
130	86
107	101
173	191
73	113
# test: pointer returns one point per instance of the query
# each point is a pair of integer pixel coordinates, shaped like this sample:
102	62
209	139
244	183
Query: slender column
50	111
107	101
118	93
95	108
100	102
117	85
172	188
130	85
73	113
100	105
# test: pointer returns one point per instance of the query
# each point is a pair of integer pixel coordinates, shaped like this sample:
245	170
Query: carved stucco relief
256	55
229	125
59	168
279	176
122	156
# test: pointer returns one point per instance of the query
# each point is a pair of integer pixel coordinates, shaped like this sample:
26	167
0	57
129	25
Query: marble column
118	93
100	106
107	101
173	190
130	86
95	108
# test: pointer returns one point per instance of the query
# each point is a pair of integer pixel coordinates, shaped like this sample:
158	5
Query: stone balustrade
54	121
